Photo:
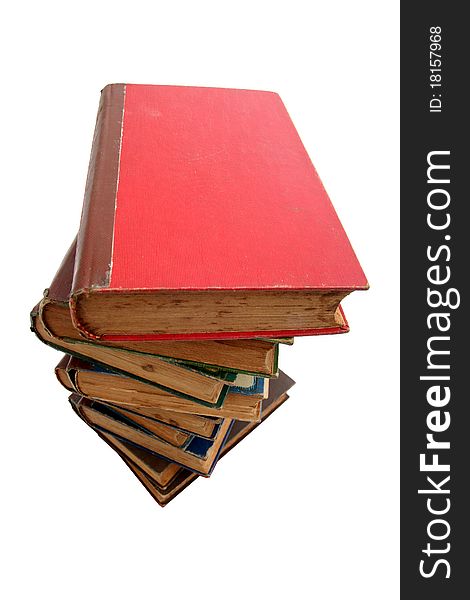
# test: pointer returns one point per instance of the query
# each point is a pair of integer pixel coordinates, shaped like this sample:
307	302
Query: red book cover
199	189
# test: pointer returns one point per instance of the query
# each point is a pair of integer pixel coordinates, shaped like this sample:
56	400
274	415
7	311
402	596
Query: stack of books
206	241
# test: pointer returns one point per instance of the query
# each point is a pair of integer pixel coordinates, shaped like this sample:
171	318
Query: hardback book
52	322
164	479
91	380
204	218
189	423
162	472
166	433
175	428
159	374
212	396
196	454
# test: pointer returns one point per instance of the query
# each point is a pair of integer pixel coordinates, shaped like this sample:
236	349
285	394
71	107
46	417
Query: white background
307	506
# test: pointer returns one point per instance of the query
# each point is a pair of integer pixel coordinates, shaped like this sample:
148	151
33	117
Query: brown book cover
164	480
112	388
191	423
198	455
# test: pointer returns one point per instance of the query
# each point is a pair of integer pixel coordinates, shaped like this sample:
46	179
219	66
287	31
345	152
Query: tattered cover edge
62	367
183	479
109	439
93	259
215	372
129	410
76	402
36	313
71	364
59	292
89	364
281	386
116	415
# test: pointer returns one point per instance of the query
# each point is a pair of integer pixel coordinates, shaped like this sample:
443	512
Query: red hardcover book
204	217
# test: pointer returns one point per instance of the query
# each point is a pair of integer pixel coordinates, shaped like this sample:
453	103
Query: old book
90	380
166	433
163	479
198	455
192	423
164	376
52	323
203	217
179	422
195	384
162	471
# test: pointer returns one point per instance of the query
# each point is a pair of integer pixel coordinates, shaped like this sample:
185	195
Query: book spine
93	258
62	374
